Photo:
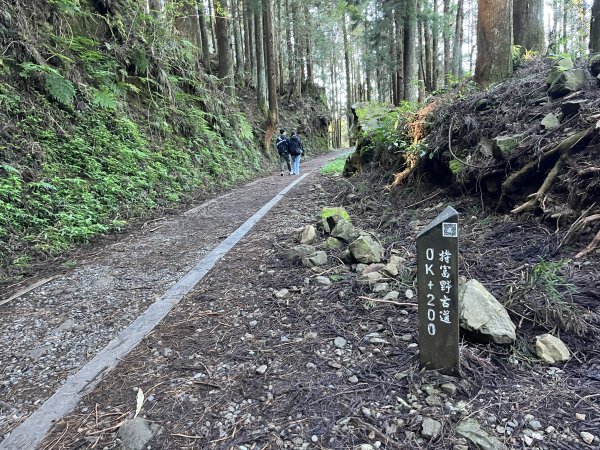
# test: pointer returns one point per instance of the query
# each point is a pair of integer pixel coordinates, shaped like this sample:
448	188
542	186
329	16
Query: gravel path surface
49	333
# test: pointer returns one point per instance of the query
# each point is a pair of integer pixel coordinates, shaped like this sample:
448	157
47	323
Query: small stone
167	352
500	429
580	416
135	434
430	428
391	296
376	340
365	411
588	438
433	400
314	438
261	369
412	345
381	287
550	122
448	389
353	379
409	293
550	429
535	425
310	366
528	441
551	349
407	337
282	293
323	280
317	259
311	335
369	279
307	234
253	323
298	440
339	342
528	417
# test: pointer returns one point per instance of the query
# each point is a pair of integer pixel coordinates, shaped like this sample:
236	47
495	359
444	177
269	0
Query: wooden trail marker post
437	283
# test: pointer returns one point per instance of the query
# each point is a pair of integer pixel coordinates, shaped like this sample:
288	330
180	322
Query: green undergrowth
96	130
335	167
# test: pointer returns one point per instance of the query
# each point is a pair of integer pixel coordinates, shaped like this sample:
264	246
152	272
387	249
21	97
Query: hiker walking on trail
283	148
296	151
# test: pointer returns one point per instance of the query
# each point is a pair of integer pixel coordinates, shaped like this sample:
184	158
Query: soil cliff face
106	115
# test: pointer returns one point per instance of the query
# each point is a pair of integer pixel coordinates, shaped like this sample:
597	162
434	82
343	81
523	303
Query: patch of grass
335	167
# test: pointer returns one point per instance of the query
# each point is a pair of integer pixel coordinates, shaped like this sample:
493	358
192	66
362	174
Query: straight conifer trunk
261	82
187	23
446	38
595	28
435	31
528	27
237	39
458	41
410	45
204	35
349	116
494	41
224	47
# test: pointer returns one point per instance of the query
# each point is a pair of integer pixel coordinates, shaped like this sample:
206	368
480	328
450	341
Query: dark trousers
284	159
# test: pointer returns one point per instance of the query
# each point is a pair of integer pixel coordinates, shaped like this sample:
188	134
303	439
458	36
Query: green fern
103	98
59	88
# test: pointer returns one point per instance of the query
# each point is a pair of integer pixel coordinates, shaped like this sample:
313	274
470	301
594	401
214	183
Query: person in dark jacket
283	148
296	151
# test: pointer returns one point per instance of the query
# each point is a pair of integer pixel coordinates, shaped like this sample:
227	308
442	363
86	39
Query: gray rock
448	389
560	66
315	260
307	235
535	425
330	216
282	293
381	287
504	146
340	342
261	369
550	122
253	323
366	250
344	230
300	251
588	438
430	428
567	82
353	379
480	312
135	434
314	438
392	296
433	400
371	268
167	352
321	279
551	349
332	242
369	279
310	366
472	431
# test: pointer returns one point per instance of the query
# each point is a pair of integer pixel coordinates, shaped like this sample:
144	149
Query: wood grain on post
437	283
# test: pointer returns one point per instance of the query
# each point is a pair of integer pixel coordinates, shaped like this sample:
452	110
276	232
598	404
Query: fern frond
103	99
59	88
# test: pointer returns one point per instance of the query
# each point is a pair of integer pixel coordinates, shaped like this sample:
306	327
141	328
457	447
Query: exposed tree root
590	247
562	150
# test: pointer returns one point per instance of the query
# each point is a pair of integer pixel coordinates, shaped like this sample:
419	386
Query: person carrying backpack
296	151
283	148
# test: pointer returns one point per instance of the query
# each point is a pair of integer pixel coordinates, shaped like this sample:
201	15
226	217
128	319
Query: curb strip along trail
32	431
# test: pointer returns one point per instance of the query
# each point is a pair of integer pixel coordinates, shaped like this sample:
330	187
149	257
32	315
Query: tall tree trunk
398	73
494	41
368	83
565	36
446	37
261	82
212	19
435	34
298	64
349	115
247	38
271	59
288	42
528	26
204	35
595	28
428	59
280	53
224	46
307	44
237	38
186	21
422	76
410	31
458	41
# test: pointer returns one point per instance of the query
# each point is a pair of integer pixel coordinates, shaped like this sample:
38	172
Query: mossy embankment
106	115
